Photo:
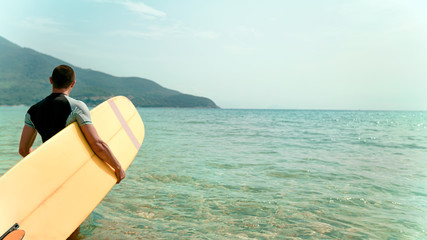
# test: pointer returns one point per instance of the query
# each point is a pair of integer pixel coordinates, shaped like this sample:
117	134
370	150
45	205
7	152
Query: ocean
263	174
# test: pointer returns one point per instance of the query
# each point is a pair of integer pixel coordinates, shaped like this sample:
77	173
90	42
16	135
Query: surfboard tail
13	233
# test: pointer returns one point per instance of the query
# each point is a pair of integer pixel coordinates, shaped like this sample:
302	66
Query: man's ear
50	79
72	84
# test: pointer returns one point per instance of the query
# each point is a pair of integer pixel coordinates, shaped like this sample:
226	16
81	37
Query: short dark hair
63	76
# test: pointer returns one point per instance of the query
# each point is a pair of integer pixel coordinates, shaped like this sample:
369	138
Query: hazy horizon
314	55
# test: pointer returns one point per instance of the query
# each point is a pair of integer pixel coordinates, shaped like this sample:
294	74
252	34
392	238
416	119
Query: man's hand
120	175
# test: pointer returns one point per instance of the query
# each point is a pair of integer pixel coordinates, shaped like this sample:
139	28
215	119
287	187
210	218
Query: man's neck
65	91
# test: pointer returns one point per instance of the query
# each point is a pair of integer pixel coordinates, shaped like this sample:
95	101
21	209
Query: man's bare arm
27	139
101	149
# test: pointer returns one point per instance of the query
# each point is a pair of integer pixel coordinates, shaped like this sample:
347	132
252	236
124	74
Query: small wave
224	165
293	174
167	178
393	146
195	122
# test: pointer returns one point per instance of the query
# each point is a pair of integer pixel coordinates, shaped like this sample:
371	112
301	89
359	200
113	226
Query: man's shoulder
76	103
36	106
79	112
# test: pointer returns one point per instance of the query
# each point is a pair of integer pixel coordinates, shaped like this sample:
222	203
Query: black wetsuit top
54	113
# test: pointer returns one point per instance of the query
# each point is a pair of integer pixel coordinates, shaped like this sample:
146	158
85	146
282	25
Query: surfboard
50	192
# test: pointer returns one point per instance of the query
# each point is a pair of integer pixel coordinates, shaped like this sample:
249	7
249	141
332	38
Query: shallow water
263	174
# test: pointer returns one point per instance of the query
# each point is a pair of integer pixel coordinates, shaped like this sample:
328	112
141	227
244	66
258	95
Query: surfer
58	110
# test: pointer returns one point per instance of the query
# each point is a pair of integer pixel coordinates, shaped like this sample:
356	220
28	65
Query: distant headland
24	80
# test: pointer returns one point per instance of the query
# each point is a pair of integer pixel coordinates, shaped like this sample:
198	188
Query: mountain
24	79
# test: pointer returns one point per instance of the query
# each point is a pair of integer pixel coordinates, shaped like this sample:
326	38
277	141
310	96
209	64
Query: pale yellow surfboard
53	190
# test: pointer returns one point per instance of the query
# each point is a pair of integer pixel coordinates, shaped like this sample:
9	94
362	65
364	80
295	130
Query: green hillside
24	79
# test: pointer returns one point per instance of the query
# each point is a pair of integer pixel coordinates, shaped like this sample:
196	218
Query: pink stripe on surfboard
124	124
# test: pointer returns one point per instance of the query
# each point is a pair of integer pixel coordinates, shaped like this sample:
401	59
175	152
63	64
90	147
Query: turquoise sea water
263	174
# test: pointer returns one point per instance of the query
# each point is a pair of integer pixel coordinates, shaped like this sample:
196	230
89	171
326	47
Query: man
57	111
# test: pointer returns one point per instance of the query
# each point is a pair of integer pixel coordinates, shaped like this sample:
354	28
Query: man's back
54	113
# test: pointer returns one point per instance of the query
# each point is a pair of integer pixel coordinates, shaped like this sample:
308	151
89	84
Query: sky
305	54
